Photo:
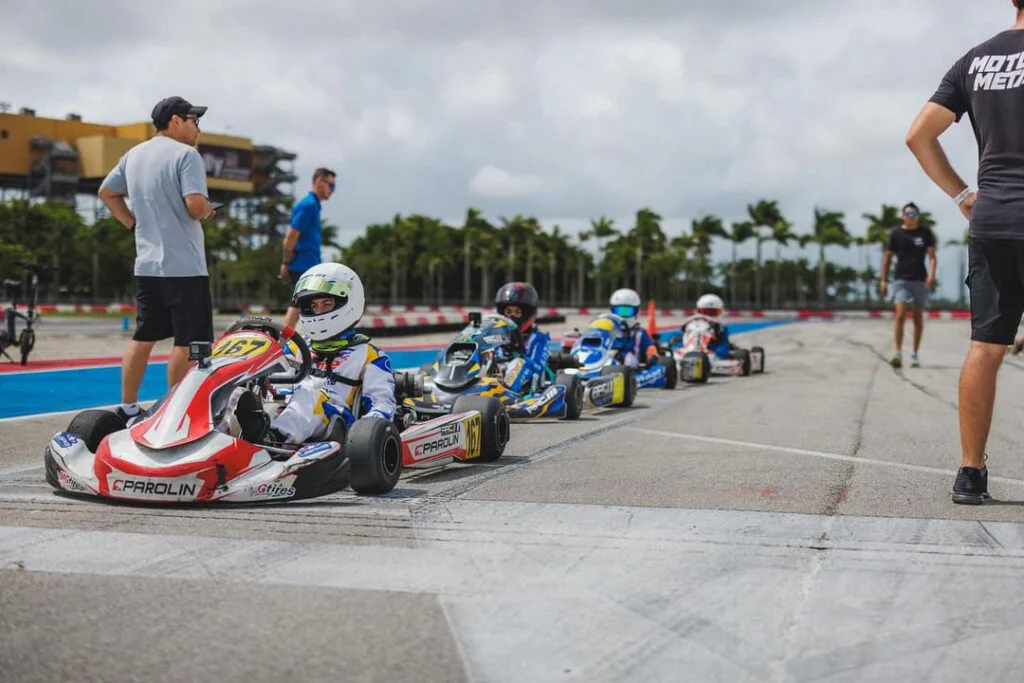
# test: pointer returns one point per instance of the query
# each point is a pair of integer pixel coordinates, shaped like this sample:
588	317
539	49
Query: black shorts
179	307
995	276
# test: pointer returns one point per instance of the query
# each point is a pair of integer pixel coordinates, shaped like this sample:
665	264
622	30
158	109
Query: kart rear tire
574	388
760	350
671	371
495	427
374	450
743	356
629	375
562	360
92	426
705	365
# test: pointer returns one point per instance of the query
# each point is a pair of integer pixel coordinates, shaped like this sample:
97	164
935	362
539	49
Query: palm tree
472	225
829	230
583	237
782	233
646	231
765	215
704	230
739	233
601	228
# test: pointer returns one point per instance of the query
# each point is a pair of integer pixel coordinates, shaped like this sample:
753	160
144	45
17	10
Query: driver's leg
152	324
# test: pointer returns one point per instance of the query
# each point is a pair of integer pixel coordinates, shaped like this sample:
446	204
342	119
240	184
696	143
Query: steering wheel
282	335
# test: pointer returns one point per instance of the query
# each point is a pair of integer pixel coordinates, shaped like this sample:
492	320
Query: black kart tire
26	343
574	388
374	450
671	371
495	425
759	349
743	356
92	426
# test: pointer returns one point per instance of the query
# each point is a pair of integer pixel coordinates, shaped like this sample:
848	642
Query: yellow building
61	158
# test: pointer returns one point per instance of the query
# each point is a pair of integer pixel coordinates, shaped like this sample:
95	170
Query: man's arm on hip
923	140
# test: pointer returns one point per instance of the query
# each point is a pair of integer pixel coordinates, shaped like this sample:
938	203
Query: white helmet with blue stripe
625	303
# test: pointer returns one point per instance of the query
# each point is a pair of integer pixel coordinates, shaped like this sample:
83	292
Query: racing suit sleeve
378	385
647	349
537	351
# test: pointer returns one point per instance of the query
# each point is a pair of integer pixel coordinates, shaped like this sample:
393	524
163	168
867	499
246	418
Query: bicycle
26	339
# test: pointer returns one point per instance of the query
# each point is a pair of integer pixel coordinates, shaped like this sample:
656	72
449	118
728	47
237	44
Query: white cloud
491	181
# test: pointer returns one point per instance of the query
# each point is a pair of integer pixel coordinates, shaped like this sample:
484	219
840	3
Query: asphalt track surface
794	526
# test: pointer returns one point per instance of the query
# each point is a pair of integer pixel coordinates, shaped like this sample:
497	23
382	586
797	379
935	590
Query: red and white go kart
697	361
176	455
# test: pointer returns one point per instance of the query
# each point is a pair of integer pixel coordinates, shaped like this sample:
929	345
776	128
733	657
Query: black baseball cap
171	106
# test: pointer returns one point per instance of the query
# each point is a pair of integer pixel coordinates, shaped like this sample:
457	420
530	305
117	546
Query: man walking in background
985	84
303	239
165	180
912	283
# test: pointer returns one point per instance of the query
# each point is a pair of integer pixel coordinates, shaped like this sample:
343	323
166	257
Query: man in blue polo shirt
302	243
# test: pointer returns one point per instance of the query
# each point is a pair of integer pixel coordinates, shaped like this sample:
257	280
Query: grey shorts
913	292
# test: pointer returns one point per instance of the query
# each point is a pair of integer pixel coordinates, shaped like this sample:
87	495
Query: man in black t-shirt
987	84
912	283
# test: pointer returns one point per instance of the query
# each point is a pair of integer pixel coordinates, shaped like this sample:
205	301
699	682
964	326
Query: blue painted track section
50	391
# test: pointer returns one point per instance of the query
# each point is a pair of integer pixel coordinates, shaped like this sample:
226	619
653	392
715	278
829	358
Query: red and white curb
415	316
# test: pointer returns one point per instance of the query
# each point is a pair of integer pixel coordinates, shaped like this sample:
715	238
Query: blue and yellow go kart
469	366
600	350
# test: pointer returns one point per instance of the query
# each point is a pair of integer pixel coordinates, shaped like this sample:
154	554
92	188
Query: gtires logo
154	488
69	483
272	490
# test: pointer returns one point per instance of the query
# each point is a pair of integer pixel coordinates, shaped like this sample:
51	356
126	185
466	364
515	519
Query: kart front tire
743	356
758	350
671	371
495	425
374	450
92	426
573	394
704	362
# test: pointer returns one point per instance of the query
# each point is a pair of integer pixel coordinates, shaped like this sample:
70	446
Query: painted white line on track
814	454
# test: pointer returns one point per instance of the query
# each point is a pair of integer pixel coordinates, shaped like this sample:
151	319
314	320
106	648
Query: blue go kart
600	349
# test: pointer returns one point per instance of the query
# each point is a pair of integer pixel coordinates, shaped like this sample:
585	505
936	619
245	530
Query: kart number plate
241	347
474	429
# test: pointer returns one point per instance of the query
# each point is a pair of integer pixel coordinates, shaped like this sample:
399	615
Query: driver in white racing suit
351	377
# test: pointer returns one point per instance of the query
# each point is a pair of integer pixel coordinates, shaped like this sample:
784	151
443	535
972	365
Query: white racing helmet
625	303
710	305
336	281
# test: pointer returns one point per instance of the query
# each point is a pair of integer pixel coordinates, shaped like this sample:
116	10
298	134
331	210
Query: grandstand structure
64	159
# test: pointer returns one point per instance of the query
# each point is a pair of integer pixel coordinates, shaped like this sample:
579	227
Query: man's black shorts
995	277
178	307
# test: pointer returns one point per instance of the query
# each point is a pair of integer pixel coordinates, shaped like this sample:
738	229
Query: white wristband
959	199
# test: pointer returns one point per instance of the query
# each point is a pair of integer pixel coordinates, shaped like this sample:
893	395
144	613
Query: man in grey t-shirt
164	178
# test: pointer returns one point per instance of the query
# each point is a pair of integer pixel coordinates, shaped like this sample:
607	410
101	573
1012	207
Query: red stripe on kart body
199	410
235	458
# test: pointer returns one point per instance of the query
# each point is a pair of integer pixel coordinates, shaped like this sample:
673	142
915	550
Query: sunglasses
910	213
332	186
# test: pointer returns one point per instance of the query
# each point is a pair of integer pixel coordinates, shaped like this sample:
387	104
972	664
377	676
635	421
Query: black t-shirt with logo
910	248
988	84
